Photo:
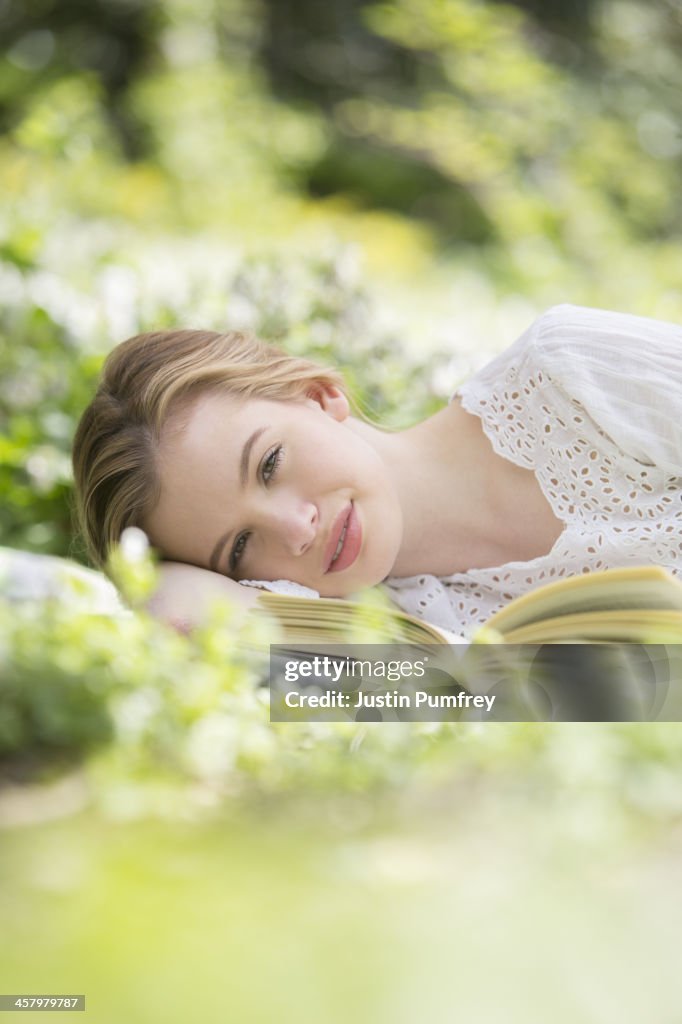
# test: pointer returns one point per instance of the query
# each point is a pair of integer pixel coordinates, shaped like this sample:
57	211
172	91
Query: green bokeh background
397	188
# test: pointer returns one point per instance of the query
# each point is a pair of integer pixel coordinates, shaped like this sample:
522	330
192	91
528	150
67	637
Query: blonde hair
144	381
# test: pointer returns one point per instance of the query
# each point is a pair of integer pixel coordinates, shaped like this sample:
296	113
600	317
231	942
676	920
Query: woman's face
259	489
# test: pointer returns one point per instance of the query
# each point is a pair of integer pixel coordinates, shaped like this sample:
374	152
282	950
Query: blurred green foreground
463	902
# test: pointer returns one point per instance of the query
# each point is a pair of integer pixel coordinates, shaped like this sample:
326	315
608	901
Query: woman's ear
331	400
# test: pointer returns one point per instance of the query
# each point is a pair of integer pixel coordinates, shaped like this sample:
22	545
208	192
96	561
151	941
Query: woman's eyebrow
243	477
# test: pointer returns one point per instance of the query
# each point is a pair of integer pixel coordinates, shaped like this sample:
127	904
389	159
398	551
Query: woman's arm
186	592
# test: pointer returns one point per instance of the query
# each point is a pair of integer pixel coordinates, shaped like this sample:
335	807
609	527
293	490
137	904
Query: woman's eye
271	463
238	550
269	467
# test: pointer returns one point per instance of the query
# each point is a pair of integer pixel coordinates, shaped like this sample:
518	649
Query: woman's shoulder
566	339
570	331
625	371
580	348
578	344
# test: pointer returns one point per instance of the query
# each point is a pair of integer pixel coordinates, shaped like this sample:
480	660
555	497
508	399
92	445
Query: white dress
591	402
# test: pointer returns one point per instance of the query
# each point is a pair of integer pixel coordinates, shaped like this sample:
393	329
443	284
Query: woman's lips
352	540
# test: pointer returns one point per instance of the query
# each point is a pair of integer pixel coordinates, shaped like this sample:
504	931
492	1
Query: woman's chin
337	589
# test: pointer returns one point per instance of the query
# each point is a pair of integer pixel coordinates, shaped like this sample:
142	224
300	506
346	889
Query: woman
562	456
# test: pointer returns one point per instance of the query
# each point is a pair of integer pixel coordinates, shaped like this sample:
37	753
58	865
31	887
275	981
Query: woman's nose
298	527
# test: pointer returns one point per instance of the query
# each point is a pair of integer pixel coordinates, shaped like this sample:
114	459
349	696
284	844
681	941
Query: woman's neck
444	489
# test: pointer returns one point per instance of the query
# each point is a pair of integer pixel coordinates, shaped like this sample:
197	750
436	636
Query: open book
327	620
642	604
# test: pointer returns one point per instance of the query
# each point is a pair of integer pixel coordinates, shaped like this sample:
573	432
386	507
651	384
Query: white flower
134	544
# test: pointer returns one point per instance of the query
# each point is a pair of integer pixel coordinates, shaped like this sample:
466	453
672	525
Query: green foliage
573	160
165	707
